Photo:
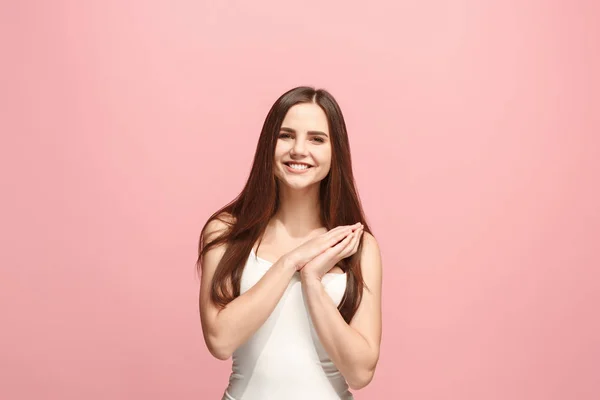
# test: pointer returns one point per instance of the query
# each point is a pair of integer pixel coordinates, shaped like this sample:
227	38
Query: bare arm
353	348
225	329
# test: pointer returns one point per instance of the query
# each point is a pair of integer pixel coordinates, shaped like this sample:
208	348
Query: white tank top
285	359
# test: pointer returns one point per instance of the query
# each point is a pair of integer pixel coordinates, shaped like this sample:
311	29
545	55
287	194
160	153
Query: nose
299	148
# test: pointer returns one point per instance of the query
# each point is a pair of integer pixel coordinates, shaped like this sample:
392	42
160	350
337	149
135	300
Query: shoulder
217	225
370	245
370	257
213	247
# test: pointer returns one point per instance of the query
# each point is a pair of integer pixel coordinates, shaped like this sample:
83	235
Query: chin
300	185
295	184
300	181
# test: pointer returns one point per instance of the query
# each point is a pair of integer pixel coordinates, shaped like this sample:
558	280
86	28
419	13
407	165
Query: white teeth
298	166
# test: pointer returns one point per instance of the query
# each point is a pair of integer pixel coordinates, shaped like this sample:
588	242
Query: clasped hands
319	255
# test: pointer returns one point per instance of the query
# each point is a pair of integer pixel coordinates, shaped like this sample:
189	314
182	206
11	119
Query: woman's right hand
304	253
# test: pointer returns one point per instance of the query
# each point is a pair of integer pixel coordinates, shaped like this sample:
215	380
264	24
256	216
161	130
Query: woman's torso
285	359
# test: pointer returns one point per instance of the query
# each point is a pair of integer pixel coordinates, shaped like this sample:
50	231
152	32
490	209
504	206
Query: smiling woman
302	148
303	318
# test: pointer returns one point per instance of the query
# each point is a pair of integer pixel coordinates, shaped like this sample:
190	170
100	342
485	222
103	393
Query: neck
299	210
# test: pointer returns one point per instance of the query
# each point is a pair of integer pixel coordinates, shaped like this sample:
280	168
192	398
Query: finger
338	248
351	227
354	236
356	226
357	243
337	230
356	240
338	233
337	236
353	244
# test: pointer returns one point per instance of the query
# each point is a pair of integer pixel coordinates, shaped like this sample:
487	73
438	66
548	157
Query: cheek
279	151
325	157
325	161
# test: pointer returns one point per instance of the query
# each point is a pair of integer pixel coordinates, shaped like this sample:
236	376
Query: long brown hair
249	213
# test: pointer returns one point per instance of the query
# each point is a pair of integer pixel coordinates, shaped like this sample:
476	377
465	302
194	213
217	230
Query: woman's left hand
324	262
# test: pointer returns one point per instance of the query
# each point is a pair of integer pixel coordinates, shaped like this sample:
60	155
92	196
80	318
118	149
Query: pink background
474	129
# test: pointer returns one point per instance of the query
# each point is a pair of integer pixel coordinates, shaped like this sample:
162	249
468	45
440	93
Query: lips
305	167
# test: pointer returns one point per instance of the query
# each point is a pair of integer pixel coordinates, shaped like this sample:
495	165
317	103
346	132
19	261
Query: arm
353	348
227	328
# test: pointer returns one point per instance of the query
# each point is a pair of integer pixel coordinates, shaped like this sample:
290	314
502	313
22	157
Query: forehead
306	117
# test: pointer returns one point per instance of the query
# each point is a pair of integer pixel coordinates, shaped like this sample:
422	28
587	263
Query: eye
284	136
319	139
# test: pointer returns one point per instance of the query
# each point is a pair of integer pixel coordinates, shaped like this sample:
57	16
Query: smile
297	168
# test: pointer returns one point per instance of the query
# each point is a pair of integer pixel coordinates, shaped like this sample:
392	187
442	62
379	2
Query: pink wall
474	127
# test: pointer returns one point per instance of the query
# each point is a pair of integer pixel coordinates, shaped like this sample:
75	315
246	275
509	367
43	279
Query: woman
291	276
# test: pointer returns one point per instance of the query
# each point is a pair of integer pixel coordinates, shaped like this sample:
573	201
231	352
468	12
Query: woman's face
303	150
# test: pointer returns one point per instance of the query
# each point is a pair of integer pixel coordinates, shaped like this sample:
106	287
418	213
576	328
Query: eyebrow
318	133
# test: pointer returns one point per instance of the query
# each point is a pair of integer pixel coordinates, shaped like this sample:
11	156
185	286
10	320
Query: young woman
291	276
